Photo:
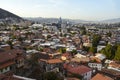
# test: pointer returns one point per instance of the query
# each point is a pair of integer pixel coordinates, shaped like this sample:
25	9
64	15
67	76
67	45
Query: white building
97	66
99	47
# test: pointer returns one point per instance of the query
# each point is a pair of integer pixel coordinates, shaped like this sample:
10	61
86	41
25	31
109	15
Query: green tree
74	52
83	32
10	43
62	50
109	34
117	54
20	39
96	39
108	51
13	36
83	28
48	36
93	49
40	49
86	48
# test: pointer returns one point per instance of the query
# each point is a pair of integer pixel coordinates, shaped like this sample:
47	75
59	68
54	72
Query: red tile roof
9	55
101	77
52	61
79	69
6	56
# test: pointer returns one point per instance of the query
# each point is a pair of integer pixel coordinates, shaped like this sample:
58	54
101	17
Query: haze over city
72	9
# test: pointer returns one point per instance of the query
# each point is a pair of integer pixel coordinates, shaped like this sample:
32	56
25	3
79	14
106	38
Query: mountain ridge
41	19
9	17
6	14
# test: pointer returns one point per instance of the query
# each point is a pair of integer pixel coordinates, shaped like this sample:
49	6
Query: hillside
8	17
6	14
115	20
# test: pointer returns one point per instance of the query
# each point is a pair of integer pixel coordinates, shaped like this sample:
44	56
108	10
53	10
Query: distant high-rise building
60	22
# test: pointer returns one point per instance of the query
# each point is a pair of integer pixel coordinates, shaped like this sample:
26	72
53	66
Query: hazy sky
73	9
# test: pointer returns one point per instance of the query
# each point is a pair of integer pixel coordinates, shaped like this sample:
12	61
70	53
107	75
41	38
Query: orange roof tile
8	55
101	77
79	69
5	57
53	61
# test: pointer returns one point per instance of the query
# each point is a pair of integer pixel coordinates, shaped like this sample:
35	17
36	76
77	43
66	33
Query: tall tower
60	22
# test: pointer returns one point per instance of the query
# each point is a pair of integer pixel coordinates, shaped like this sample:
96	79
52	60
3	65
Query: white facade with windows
95	65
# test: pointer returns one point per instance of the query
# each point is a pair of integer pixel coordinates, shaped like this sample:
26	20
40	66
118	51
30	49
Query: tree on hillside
93	49
86	48
108	51
73	52
10	43
117	54
48	36
109	34
83	32
96	39
62	50
20	39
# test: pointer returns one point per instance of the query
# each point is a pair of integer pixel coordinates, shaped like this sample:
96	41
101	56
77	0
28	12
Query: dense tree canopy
73	52
83	30
107	51
10	43
117	54
93	49
62	50
112	52
109	34
96	39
